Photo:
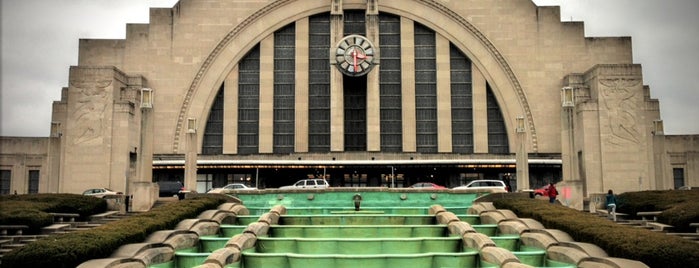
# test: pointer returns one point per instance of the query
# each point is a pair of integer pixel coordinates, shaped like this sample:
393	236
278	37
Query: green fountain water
387	229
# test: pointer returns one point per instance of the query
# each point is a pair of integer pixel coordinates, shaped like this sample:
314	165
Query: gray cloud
665	36
40	43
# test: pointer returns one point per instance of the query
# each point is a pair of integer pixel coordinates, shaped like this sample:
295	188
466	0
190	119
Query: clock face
354	55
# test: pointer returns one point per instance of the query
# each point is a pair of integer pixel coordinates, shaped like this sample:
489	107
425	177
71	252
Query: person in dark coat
611	204
508	187
552	193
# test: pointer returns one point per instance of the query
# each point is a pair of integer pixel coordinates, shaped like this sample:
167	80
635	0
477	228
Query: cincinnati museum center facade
363	93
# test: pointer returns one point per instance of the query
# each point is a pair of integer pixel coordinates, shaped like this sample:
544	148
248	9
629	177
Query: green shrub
25	213
652	248
33	209
57	203
679	207
72	249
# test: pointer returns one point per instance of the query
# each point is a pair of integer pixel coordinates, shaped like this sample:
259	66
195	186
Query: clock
354	55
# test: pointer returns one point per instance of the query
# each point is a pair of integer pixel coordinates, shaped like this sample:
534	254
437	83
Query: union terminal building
363	93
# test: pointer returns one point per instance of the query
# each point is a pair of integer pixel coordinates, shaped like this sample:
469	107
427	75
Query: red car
543	191
427	185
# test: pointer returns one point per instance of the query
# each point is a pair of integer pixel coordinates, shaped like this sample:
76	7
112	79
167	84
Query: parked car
100	192
543	191
232	186
308	183
427	185
171	188
484	184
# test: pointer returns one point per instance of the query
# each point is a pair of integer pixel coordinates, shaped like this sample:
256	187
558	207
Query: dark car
170	188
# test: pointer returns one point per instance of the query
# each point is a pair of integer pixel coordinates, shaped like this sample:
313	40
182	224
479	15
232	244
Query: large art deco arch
483	53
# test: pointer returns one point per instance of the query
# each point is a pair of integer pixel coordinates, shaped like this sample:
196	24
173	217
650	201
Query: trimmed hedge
72	249
24	213
679	207
33	209
652	248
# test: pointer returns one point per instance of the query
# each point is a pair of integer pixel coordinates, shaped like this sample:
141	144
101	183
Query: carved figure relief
619	98
89	110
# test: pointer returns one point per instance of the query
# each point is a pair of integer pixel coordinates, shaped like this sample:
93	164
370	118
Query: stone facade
21	155
522	53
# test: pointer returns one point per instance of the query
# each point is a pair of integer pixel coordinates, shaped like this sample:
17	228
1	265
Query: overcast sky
40	42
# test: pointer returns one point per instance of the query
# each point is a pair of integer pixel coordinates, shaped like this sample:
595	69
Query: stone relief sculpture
621	104
89	110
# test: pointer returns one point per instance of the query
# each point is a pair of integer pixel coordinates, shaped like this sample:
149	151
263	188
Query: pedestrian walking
552	193
611	204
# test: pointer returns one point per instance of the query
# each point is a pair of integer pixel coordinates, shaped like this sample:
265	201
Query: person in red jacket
552	193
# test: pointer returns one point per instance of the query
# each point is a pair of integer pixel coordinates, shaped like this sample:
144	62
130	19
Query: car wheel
538	194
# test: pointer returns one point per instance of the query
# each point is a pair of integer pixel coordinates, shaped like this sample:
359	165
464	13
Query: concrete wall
19	155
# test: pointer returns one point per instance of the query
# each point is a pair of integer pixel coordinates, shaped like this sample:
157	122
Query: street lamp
567	97
520	124
658	127
393	179
55	129
146	98
191	125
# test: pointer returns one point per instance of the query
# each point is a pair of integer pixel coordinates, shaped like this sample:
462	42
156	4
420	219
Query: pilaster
301	100
480	111
373	96
408	84
266	117
230	112
337	114
444	142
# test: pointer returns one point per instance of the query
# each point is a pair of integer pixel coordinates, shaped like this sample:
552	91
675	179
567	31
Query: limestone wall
19	155
540	49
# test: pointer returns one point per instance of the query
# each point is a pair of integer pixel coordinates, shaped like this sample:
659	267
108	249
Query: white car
232	186
484	184
308	184
100	192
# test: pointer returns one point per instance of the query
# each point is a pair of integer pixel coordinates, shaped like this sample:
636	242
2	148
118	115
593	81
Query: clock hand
354	56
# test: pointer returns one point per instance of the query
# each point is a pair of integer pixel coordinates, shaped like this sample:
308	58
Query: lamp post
567	97
53	157
522	157
568	125
393	184
145	150
140	188
190	176
659	157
